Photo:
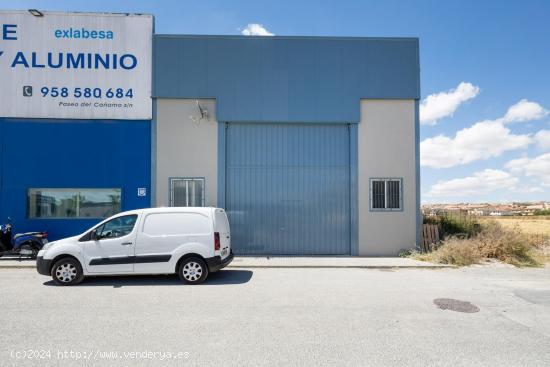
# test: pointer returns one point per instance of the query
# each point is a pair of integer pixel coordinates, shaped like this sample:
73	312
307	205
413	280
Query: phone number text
63	92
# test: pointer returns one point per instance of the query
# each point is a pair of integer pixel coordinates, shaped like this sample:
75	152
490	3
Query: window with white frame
386	194
187	192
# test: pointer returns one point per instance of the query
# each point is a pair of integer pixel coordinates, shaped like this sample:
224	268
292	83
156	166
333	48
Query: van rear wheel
193	270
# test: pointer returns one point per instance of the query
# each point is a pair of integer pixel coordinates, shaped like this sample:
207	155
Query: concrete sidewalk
331	262
290	262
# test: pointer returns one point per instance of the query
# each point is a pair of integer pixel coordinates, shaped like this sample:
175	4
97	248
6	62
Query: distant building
476	212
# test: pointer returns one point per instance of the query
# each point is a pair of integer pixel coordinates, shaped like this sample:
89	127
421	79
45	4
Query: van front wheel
193	270
67	271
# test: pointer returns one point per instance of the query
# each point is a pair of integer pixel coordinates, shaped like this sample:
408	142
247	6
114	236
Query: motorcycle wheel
2	249
28	249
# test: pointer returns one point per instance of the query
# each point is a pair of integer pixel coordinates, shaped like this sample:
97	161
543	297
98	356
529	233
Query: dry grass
509	245
532	225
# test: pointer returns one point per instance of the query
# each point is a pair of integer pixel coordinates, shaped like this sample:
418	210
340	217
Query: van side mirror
94	236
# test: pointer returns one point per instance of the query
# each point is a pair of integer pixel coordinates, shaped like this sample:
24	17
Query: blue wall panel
288	189
285	79
71	154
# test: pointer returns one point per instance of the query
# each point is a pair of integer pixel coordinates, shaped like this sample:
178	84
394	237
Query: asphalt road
296	317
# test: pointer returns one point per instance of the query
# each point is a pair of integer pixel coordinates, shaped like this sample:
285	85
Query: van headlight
48	245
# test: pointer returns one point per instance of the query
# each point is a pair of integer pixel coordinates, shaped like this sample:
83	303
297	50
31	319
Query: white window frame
187	180
385	180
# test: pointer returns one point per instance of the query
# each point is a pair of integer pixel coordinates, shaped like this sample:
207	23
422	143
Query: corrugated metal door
288	188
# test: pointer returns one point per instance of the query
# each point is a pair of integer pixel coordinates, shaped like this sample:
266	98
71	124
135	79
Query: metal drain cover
455	305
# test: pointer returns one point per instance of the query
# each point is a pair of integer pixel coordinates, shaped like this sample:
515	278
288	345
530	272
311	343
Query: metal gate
288	188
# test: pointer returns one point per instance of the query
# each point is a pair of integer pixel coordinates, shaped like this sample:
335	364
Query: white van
191	242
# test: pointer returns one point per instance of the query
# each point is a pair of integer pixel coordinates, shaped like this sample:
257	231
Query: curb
434	267
244	266
342	266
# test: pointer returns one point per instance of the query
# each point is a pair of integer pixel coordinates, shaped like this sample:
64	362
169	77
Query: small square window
385	194
187	192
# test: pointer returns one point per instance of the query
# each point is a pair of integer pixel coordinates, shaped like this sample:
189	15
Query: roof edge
236	36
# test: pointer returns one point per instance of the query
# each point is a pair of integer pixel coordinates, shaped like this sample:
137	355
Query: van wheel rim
65	272
192	271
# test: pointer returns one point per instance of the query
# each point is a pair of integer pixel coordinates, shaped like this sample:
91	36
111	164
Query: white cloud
480	183
483	140
255	29
537	167
529	189
543	139
439	105
523	111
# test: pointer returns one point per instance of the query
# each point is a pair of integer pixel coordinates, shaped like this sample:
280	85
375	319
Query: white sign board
75	65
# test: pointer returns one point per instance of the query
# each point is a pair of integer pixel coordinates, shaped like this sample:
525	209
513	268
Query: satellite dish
203	112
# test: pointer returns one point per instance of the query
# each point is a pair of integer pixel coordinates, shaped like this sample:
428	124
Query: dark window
73	203
386	194
378	195
393	194
117	227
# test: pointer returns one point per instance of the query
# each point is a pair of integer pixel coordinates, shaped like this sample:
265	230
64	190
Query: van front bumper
216	263
43	266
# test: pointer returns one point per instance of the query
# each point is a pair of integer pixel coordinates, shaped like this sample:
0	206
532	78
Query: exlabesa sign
75	65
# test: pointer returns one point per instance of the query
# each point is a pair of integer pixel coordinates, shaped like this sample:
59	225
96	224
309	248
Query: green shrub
452	225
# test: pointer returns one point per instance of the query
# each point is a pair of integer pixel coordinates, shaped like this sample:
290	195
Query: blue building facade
66	157
286	79
75	118
311	144
298	124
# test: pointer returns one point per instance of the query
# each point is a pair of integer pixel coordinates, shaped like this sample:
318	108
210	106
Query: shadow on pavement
223	277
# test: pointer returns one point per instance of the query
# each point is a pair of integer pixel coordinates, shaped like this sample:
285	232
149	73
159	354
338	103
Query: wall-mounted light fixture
36	12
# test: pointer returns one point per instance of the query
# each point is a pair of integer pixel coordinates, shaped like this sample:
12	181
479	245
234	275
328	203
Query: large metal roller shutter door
288	188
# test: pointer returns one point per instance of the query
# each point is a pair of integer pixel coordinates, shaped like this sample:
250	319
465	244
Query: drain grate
455	305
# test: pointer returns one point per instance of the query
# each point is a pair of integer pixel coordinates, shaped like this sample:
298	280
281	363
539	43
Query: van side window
117	227
174	224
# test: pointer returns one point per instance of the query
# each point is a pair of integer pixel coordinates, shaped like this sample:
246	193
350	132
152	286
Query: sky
485	76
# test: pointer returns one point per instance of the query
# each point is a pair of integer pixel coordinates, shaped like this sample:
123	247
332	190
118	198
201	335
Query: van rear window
221	222
173	224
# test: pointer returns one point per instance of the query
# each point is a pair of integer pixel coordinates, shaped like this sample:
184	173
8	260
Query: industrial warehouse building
309	143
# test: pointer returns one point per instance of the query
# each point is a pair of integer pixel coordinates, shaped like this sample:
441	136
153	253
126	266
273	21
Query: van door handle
126	243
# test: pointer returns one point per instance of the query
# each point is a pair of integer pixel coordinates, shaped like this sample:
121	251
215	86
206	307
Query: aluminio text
69	60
